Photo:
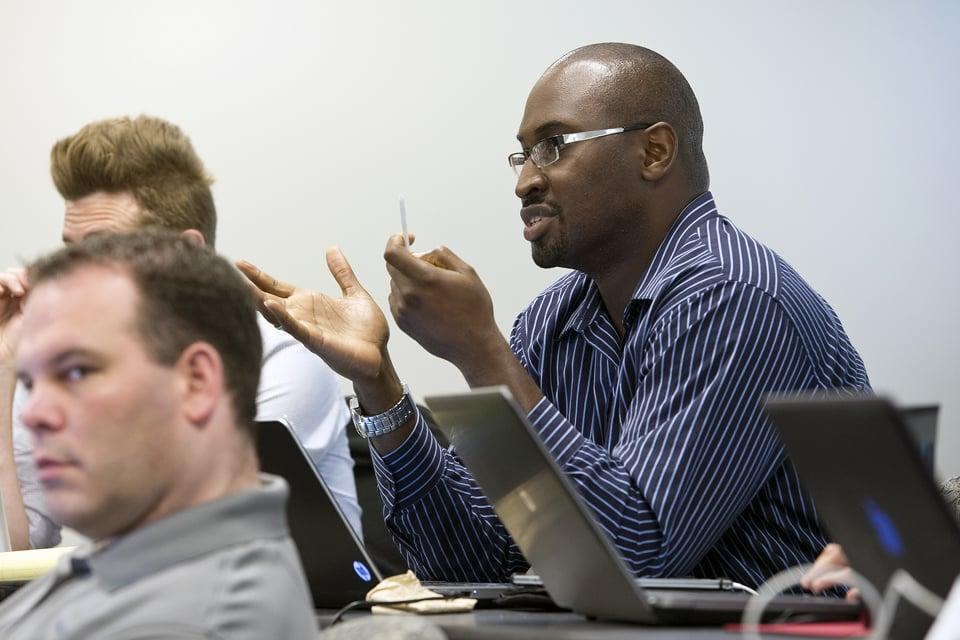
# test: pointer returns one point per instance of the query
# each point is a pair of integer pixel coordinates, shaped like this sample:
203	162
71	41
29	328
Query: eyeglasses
547	151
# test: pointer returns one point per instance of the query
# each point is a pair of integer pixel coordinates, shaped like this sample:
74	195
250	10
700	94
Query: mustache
536	201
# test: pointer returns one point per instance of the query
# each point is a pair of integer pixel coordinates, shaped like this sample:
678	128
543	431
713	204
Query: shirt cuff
559	436
411	470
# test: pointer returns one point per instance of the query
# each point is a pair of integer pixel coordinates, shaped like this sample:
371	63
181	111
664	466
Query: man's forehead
570	96
100	212
90	310
92	297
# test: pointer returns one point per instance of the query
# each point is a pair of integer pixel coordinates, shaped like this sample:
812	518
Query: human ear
660	150
194	236
204	384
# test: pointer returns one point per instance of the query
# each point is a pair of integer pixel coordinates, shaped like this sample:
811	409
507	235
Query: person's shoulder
261	589
739	257
749	265
714	263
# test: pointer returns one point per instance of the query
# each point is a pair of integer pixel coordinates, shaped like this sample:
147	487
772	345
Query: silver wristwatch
382	423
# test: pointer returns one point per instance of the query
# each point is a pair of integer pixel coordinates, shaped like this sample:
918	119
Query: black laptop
872	487
337	566
576	561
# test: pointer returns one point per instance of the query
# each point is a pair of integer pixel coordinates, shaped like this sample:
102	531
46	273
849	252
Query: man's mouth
533	213
536	220
48	469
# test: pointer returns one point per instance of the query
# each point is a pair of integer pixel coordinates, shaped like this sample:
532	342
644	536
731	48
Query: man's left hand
439	301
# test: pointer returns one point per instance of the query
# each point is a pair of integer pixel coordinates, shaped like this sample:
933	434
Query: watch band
382	423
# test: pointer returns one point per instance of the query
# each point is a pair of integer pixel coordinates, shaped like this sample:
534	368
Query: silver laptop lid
538	505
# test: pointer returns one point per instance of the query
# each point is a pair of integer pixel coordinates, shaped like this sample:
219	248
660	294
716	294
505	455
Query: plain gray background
830	132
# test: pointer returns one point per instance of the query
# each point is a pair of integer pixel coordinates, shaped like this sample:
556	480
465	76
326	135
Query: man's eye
75	374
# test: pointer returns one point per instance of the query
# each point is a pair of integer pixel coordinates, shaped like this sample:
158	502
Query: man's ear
660	150
194	236
204	382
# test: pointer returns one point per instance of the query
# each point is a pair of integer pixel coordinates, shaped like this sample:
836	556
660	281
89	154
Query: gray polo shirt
224	569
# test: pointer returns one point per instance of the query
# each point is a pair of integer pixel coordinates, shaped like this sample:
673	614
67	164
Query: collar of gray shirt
235	519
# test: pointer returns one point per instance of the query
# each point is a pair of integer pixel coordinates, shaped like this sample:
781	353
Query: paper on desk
406	586
21	566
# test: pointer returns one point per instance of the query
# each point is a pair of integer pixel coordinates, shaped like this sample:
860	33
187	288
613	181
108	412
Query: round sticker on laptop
361	570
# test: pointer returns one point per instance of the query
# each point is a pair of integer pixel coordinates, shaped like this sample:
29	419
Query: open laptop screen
337	566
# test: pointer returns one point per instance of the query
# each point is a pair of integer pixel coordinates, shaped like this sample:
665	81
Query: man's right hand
350	333
13	293
830	569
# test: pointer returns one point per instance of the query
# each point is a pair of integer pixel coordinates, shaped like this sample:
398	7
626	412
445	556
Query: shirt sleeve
694	449
44	532
442	523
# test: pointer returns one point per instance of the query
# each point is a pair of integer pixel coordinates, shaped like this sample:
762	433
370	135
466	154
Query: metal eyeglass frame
558	142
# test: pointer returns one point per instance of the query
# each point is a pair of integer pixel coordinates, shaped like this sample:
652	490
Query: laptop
337	566
554	529
872	487
921	423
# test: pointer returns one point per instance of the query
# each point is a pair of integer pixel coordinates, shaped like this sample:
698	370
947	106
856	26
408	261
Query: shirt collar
700	209
589	308
235	519
692	216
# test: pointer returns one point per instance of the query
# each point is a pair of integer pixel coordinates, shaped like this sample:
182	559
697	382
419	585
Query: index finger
264	281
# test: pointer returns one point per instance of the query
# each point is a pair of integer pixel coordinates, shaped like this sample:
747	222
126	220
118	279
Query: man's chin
546	257
65	510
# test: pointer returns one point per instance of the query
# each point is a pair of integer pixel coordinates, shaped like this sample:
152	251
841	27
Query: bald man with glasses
642	369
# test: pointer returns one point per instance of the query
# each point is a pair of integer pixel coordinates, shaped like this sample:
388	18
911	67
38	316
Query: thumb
343	273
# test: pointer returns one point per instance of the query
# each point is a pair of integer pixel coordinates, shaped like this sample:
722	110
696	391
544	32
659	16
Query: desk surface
505	624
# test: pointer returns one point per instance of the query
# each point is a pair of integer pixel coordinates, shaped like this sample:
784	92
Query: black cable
369	604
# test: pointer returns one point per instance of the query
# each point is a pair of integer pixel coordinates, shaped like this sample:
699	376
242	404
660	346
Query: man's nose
42	411
531	180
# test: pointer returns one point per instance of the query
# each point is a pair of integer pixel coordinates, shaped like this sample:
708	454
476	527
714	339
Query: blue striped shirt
662	432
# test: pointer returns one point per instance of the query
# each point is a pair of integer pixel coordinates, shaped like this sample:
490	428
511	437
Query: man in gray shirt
140	355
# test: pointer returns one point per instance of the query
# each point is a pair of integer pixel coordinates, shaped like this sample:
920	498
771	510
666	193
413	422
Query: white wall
831	132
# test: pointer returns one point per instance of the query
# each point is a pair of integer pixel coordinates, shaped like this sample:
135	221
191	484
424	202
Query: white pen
403	223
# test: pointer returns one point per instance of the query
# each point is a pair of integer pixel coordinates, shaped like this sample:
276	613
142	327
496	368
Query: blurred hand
13	293
350	332
439	301
831	568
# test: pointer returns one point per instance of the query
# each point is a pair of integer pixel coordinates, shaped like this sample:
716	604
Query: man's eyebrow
59	359
94	234
545	130
70	354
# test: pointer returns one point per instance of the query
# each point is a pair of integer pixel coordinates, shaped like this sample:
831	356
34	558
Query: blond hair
150	158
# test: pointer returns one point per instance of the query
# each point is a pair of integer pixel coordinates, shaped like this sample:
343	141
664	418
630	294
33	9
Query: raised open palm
350	332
